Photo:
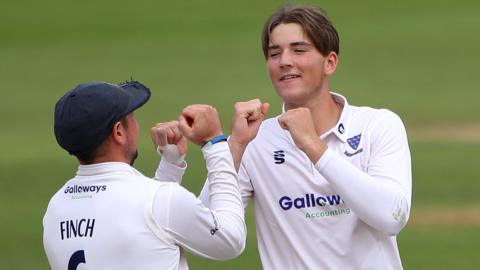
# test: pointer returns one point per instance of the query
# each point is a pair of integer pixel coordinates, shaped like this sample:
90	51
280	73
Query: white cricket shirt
342	212
110	216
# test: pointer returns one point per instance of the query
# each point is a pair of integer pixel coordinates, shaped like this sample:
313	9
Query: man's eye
300	50
273	54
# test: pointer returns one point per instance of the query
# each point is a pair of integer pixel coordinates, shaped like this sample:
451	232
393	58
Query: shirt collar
104	168
341	127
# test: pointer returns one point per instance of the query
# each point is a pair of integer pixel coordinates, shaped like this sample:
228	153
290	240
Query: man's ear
119	133
331	61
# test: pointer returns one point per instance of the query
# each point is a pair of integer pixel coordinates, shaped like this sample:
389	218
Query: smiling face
299	72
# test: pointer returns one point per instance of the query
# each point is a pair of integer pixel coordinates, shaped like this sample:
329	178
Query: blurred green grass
417	58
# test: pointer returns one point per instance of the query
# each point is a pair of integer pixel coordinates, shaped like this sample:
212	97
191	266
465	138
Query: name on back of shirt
77	228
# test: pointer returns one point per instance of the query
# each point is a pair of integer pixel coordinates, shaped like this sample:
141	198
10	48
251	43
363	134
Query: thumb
282	123
265	107
184	126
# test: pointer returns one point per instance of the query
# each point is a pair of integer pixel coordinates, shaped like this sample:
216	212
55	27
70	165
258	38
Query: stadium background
418	58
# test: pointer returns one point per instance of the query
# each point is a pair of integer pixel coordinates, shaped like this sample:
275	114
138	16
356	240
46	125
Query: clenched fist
169	141
200	123
300	124
247	118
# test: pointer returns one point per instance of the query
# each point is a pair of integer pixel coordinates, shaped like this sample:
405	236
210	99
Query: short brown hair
314	22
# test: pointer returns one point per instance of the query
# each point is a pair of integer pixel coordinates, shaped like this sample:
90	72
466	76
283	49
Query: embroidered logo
354	142
215	223
341	128
279	156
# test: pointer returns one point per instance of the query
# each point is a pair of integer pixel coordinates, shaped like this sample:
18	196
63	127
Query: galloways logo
84	189
314	200
82	192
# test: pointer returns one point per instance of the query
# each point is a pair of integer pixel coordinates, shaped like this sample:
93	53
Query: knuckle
203	108
256	102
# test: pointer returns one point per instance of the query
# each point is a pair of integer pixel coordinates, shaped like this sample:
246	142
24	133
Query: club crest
354	141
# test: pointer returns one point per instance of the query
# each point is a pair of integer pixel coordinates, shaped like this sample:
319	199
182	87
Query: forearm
207	233
246	189
169	172
236	149
219	231
224	194
383	201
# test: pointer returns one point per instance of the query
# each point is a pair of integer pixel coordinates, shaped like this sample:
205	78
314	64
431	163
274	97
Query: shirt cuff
213	149
169	172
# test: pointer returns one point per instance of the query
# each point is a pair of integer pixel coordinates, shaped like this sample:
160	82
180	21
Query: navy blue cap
84	116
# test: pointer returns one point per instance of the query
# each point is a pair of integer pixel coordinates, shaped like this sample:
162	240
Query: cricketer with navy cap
110	216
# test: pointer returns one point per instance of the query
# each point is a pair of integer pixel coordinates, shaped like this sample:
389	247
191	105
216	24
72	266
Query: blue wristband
219	138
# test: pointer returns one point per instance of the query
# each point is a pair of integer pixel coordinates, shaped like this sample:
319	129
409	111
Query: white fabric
125	220
342	212
169	172
171	153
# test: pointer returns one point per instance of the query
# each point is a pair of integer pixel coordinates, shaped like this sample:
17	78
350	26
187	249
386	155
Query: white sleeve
381	197
169	172
217	232
246	189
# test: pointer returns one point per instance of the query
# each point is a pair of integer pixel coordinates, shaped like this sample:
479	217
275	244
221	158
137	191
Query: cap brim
139	94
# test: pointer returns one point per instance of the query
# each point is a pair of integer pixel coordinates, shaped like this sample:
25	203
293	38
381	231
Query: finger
174	124
282	122
260	113
253	115
184	126
189	114
153	135
162	136
254	111
254	105
168	124
177	134
170	136
265	107
191	111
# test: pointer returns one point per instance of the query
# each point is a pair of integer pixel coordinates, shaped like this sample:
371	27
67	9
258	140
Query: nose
286	59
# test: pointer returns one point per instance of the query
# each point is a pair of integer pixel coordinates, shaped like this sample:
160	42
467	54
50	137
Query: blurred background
417	58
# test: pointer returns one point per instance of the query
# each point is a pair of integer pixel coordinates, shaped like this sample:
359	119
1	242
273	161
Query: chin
290	97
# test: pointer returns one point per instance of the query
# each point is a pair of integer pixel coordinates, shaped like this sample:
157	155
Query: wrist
214	140
315	150
171	153
233	142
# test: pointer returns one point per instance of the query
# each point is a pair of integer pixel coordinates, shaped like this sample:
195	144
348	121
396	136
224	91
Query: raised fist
169	141
299	123
200	123
247	118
